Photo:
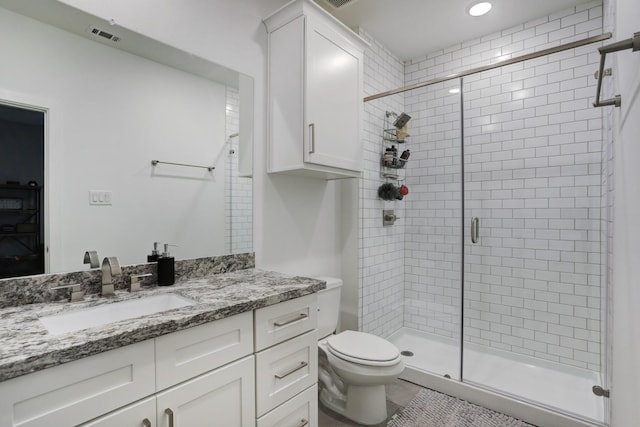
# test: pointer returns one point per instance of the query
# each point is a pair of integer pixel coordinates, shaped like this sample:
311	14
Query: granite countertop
26	346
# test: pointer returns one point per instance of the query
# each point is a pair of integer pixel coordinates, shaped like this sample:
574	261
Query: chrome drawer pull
312	138
169	412
303	423
292	370
146	422
295	319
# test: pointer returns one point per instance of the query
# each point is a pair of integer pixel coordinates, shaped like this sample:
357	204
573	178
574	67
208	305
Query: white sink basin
108	313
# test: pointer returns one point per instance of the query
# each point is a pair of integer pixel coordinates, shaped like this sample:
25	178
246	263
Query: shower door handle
475	229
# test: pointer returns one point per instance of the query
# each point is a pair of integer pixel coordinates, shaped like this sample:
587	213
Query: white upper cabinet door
315	66
333	98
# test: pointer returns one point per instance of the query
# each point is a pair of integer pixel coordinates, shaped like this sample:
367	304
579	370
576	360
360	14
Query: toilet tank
328	306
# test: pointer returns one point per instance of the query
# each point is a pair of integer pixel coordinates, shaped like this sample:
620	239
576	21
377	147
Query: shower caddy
390	140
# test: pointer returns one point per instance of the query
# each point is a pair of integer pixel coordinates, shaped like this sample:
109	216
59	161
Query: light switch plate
100	197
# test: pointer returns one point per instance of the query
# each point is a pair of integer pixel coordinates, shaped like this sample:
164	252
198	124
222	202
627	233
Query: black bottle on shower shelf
403	158
154	253
166	268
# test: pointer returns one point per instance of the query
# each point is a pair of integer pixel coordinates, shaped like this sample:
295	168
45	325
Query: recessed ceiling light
479	9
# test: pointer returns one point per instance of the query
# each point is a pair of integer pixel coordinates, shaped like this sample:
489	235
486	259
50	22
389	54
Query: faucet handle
77	294
135	281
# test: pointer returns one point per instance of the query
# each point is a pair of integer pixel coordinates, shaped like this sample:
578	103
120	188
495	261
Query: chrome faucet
91	258
110	268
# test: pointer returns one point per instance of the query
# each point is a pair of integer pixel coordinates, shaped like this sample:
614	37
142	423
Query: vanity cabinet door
139	414
224	397
79	391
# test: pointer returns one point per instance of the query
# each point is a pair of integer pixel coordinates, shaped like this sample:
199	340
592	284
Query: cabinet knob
146	422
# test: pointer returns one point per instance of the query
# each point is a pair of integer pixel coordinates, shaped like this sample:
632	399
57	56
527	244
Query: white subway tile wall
238	190
534	175
533	170
433	247
381	248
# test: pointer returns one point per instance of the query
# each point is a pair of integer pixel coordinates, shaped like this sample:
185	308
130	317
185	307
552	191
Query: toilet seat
363	348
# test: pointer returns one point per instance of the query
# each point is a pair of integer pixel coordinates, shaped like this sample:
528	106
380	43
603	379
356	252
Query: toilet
353	366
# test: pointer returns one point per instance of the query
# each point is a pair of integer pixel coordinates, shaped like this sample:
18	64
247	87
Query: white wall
625	384
298	221
114	113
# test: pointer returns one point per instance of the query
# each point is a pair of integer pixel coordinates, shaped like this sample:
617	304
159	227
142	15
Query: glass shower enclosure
505	233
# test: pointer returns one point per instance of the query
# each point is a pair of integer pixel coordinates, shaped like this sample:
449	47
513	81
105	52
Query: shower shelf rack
389	138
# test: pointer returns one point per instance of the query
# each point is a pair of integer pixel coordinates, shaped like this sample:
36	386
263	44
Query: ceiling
413	28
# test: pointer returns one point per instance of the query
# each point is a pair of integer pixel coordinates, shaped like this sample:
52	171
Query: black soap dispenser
154	253
166	268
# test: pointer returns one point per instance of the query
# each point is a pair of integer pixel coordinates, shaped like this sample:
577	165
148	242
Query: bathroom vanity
244	354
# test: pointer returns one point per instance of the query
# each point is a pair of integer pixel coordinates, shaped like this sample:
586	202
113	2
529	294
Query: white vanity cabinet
78	391
315	69
186	358
212	374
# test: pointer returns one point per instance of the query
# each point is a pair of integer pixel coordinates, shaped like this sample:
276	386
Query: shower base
503	381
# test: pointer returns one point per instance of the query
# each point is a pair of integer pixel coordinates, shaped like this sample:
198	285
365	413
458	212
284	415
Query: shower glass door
532	306
433	230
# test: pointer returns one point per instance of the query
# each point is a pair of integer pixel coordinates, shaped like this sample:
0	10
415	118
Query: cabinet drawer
285	370
277	323
78	391
185	354
301	410
129	416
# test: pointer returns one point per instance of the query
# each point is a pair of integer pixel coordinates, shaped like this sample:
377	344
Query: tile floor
399	394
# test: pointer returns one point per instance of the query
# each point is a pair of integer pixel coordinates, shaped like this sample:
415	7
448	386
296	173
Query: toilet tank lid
332	282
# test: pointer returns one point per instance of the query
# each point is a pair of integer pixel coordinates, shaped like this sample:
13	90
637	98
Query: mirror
113	101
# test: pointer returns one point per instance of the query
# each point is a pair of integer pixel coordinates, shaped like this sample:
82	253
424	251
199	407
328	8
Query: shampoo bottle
166	268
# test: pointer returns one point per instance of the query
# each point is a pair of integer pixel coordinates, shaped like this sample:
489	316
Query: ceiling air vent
104	34
337	4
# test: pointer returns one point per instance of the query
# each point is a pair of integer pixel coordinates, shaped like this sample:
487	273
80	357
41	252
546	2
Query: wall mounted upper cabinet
315	93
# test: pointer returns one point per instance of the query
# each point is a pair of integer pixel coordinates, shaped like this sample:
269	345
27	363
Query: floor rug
432	409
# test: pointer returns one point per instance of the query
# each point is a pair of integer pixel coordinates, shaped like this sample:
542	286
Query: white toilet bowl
363	378
354	366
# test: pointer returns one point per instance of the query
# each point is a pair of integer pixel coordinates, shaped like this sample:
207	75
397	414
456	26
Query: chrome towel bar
632	43
209	168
